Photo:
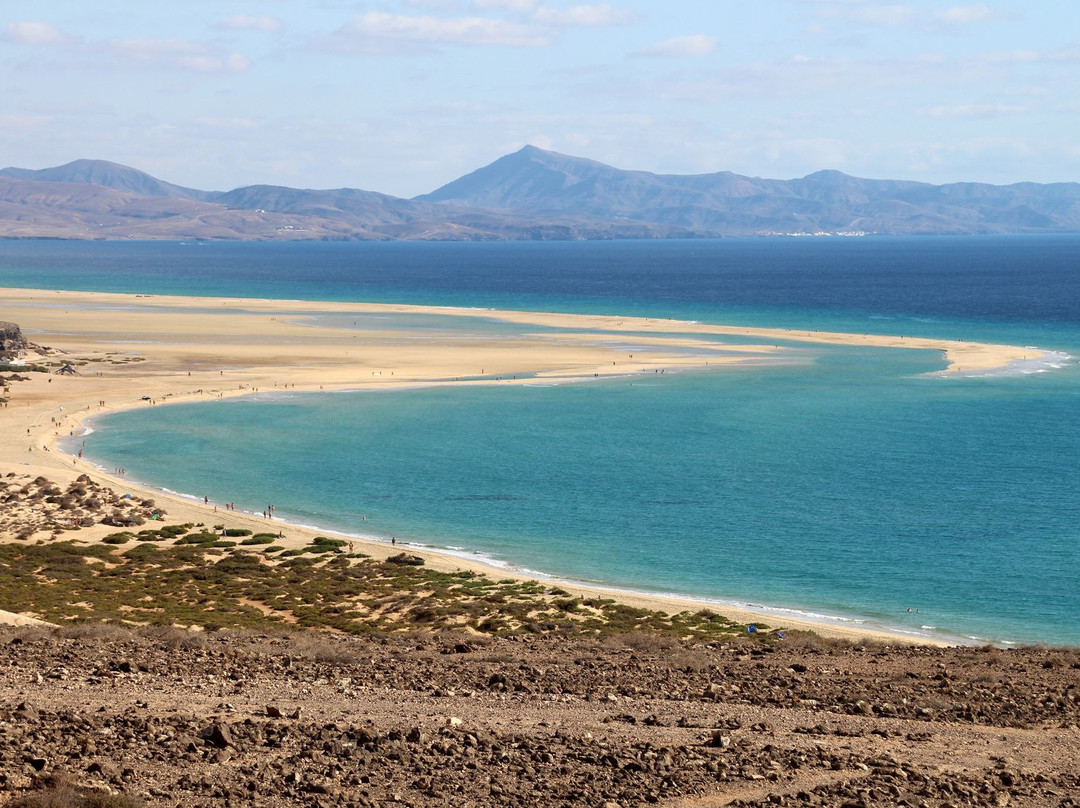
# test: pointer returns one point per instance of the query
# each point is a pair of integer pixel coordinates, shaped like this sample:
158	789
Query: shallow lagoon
851	485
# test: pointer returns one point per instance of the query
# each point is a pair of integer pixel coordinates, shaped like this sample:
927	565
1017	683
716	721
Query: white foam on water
1044	362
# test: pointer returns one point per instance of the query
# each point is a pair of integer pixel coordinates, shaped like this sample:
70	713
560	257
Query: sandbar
136	350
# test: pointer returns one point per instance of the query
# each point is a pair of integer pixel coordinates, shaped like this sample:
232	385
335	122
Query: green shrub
198	538
118	538
237	531
262	538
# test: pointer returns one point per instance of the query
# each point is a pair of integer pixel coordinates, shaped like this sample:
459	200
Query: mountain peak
529	150
531	193
829	175
108	175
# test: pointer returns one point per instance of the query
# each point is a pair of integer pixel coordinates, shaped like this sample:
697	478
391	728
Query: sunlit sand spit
135	351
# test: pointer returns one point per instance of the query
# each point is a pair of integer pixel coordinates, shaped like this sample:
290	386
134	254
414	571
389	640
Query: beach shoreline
445	559
167	350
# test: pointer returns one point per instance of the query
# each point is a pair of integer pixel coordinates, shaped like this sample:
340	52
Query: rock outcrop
12	341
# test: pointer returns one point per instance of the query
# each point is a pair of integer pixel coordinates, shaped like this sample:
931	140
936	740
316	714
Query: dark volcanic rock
12	341
407	559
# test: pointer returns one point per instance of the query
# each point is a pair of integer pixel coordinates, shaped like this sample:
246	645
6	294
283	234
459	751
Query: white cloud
23	124
435	5
228	124
439	31
895	15
247	22
34	33
504	5
178	54
1067	54
693	45
506	23
973	111
963	15
583	16
883	15
1013	57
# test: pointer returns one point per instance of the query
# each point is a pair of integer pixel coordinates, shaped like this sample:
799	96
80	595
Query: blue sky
401	96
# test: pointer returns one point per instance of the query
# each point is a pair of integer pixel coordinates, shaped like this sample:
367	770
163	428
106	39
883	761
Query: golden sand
170	349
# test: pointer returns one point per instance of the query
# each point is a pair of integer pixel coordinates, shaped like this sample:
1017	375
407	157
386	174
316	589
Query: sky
403	96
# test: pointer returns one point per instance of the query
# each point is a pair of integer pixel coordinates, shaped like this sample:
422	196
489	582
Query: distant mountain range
530	194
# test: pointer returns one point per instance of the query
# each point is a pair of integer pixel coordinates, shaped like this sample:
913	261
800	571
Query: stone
406	559
220	736
720	740
222	755
105	768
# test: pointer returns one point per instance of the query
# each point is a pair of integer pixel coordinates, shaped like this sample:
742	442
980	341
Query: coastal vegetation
197	579
310	674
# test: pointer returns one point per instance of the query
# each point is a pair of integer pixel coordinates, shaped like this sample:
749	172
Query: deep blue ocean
854	486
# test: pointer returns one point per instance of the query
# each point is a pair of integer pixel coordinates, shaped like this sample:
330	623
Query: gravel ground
173	718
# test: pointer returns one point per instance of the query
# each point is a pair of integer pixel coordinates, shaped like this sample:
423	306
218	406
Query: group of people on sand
229	506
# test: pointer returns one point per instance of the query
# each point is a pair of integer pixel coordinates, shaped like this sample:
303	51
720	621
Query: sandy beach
132	351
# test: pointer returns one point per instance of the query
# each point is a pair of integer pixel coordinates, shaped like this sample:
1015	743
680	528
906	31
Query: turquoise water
852	485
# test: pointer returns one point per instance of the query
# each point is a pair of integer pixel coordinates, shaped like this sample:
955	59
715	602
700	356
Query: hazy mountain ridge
530	194
108	175
532	180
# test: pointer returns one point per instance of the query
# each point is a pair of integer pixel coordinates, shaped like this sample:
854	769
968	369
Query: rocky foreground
103	715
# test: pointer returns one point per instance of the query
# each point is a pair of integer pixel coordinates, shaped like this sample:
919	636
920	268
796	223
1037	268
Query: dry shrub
689	659
67	797
1062	658
323	648
61	791
25	634
643	642
455	636
811	641
95	631
173	637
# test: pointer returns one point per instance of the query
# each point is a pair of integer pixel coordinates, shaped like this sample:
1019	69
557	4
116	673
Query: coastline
444	559
182	349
